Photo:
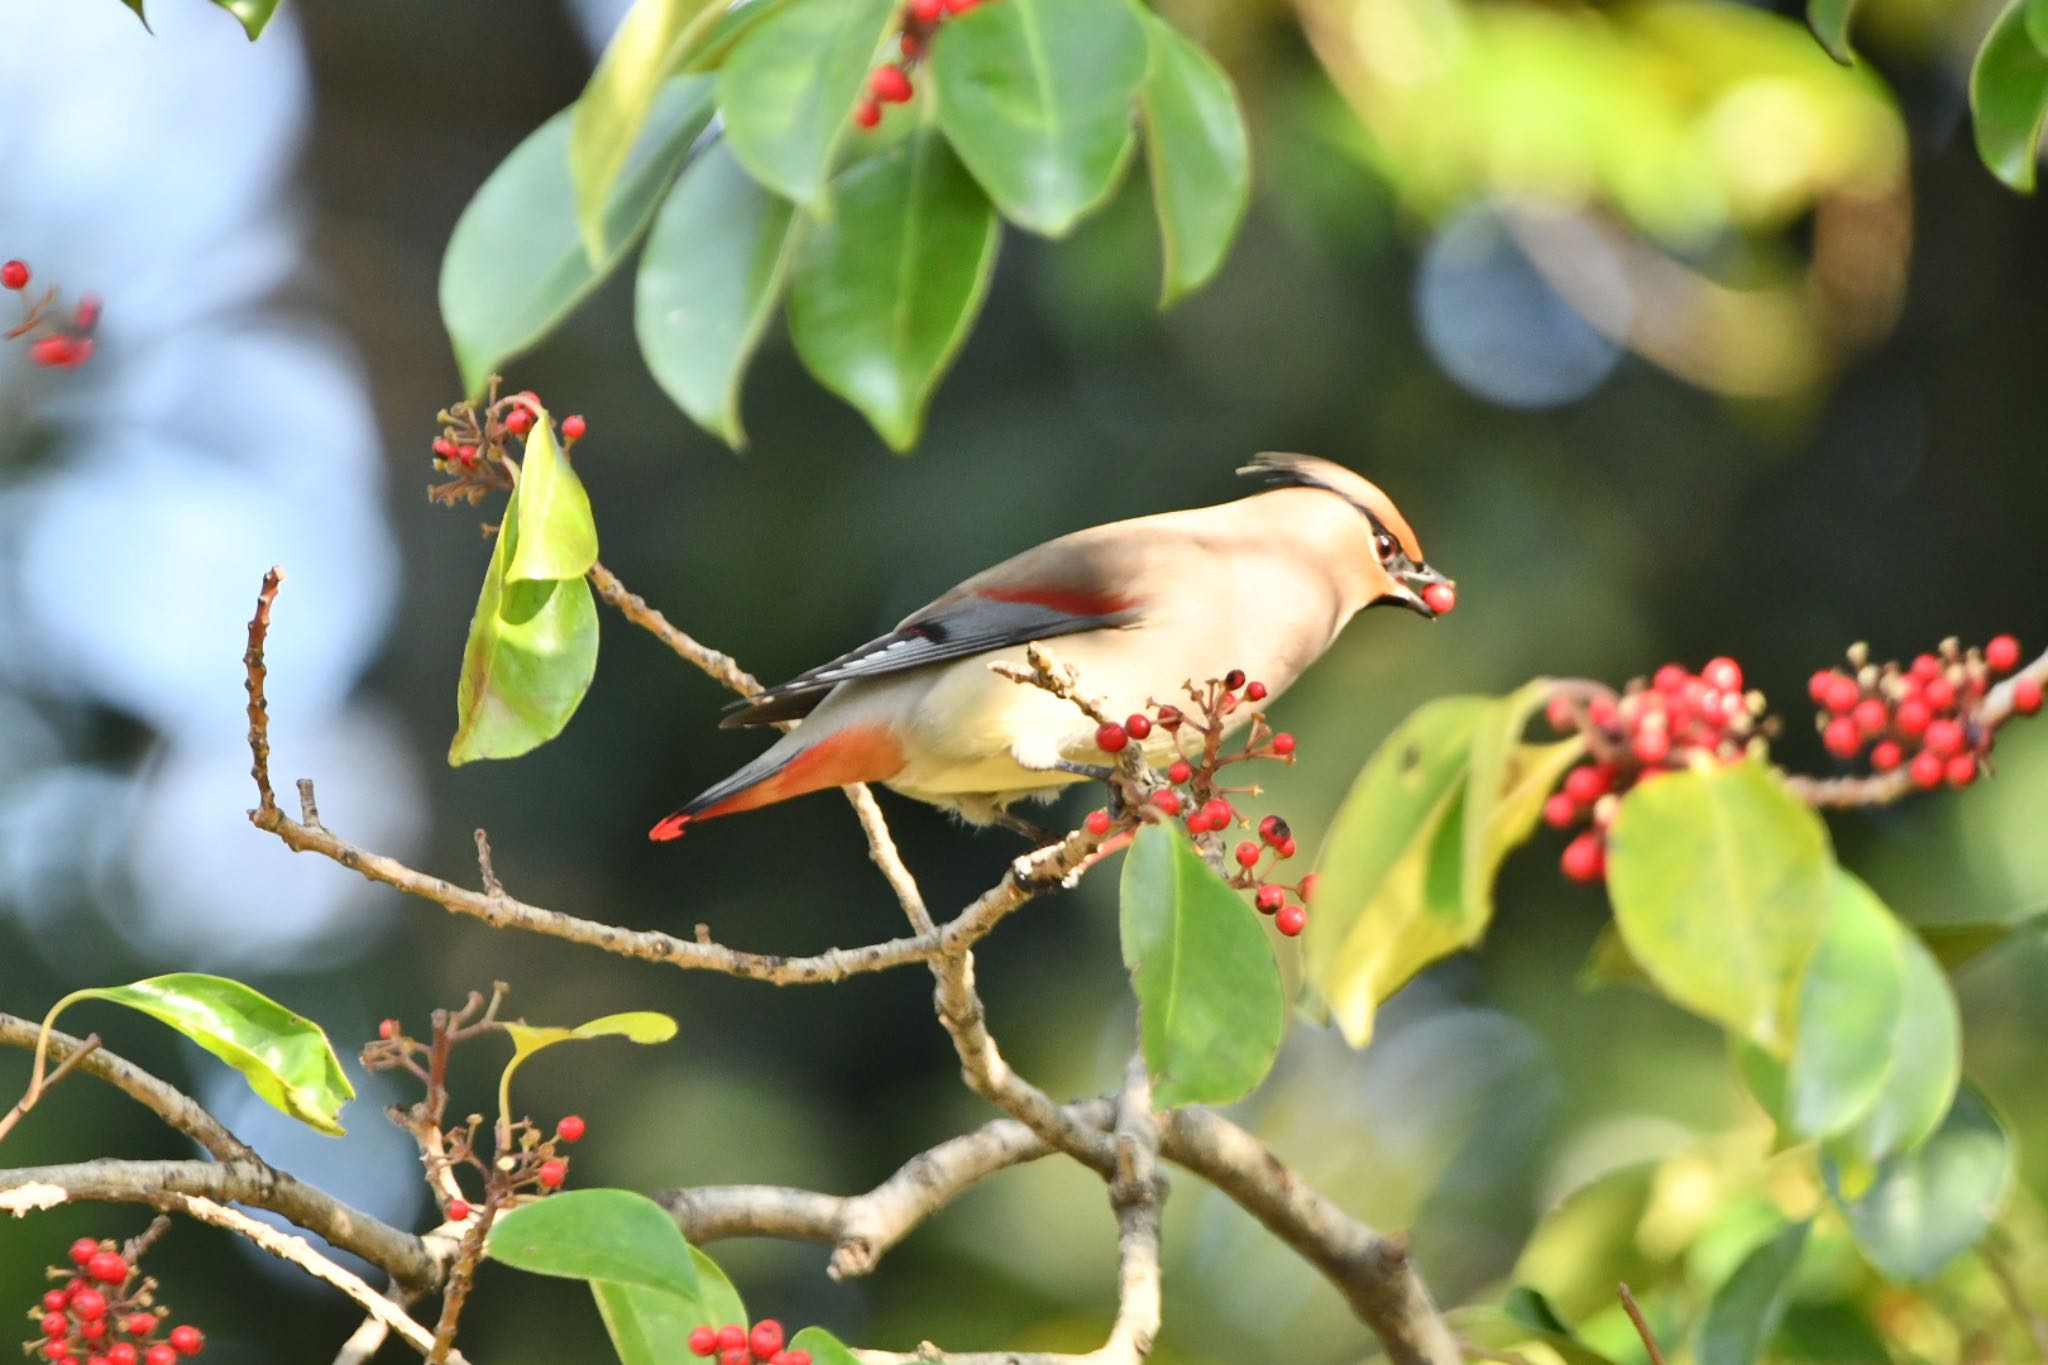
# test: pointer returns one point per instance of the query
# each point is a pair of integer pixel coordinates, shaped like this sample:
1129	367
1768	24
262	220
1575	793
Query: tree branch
172	1105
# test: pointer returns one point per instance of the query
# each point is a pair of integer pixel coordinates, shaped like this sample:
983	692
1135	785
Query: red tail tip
671	828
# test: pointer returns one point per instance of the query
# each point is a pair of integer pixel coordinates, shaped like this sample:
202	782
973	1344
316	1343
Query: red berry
1198	823
1270	899
1285	848
1886	756
1097	822
89	1303
1722	674
518	421
2003	653
766	1338
1560	811
1652	746
1842	737
794	1357
458	1210
735	1355
1818	685
1137	725
14	275
1961	770
1587	783
911	45
2026	696
927	11
1939	693
1169	718
466	454
1842	693
571	1128
122	1354
1560	712
139	1324
388	1029
1670	679
1111	737
704	1341
1233	680
553	1173
57	1350
55	1301
573	428
867	114
731	1335
1944	737
1179	771
161	1354
107	1267
1254	691
1291	919
187	1340
1584	860
952	7
94	1330
1872	716
1167	800
87	315
889	84
1248	854
1272	829
1927	769
1925	666
1217	814
56	1325
1283	744
1440	598
1308	888
1912	716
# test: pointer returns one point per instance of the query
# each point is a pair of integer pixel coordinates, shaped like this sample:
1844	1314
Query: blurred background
1672	337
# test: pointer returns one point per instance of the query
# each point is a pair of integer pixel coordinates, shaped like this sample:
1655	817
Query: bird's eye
1384	545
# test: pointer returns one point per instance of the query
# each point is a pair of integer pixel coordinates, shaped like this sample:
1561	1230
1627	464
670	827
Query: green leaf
715	264
2037	22
789	86
136	6
1958	942
646	1324
253	14
612	1235
531	654
608	116
557	536
1199	155
1505	792
1848	1018
285	1057
2009	98
1036	96
1504	1331
884	294
1376	922
639	1026
1927	1062
1929	1206
515	264
1722	883
734	24
1210	1007
1608	964
1829	20
1745	1313
825	1348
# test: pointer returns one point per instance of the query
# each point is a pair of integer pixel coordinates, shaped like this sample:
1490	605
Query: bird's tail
860	753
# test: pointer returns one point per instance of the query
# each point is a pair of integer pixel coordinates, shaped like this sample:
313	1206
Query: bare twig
39	1083
259	712
492	886
1635	1315
722	668
170	1104
1136	1193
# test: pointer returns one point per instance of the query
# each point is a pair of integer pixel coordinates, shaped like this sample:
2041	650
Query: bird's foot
1038	834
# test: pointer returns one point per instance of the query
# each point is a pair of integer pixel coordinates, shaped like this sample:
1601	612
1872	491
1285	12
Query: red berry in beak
1439	598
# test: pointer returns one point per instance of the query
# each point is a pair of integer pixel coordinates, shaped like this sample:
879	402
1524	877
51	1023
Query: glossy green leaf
1374	924
2036	20
516	265
1927	1062
612	1235
884	293
789	86
1506	1333
1037	96
285	1057
1745	1313
1848	1020
1722	882
639	1026
531	654
647	1324
1929	1206
608	117
557	534
716	261
733	24
825	1348
1505	791
1199	155
1829	20
252	14
2009	98
1210	1007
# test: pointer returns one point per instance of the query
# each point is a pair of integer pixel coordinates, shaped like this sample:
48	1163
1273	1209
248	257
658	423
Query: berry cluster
1192	794
733	1344
889	83
1652	728
1924	716
62	345
475	442
102	1314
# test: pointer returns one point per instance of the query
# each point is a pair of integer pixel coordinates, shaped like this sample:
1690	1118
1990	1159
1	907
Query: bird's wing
975	618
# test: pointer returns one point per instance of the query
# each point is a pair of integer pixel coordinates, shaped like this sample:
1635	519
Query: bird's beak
1410	585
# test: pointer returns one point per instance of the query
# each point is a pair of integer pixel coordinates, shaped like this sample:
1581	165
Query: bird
1138	607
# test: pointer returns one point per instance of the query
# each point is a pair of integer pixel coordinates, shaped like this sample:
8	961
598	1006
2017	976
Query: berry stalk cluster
890	82
57	343
733	1344
1192	793
475	445
104	1313
1924	716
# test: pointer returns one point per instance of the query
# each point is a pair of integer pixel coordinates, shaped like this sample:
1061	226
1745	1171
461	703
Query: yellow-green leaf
638	1026
557	536
1505	791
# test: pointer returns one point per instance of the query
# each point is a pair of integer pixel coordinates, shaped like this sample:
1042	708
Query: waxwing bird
1264	583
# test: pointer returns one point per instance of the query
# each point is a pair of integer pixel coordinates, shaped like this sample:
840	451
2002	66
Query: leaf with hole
1210	1007
285	1057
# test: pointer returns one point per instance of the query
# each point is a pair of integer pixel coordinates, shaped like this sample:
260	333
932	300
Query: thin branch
1642	1325
172	1185
2015	1296
39	1084
259	711
722	668
1136	1194
170	1104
